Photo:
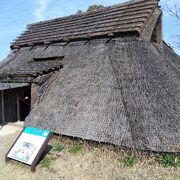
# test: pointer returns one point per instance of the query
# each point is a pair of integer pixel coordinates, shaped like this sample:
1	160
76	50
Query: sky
16	14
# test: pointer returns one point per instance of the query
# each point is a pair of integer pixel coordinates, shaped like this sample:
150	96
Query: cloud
41	7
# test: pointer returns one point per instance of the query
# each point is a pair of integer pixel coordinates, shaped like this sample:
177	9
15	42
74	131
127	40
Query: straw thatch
118	92
121	89
125	18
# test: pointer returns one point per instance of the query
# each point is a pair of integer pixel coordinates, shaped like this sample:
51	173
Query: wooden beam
18	109
150	26
3	108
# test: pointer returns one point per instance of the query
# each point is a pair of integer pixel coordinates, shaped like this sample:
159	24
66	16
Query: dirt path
89	164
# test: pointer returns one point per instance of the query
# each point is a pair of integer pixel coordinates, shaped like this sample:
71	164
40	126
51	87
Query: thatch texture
25	61
123	93
130	17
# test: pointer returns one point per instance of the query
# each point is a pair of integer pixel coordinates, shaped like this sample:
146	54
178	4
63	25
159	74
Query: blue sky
16	14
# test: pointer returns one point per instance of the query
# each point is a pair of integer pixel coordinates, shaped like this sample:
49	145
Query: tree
91	8
94	7
79	12
174	11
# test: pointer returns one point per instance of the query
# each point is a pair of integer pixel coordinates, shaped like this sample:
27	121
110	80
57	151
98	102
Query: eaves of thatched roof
6	86
27	63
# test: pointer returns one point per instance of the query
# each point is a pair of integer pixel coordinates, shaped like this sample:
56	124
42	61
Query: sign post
29	146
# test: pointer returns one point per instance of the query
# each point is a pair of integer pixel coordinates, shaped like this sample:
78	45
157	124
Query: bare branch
176	40
173	11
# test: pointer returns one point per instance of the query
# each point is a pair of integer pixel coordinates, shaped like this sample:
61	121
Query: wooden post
18	109
3	108
34	96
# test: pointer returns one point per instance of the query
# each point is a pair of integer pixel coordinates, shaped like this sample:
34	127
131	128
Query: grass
75	148
58	148
45	163
106	162
129	161
169	160
98	145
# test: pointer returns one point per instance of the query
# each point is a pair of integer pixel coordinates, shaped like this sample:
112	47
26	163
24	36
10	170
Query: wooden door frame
3	108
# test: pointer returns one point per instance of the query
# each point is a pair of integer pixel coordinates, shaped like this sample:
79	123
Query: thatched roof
30	62
122	88
130	17
118	92
31	55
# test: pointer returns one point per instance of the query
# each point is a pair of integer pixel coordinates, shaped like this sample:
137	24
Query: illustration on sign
24	151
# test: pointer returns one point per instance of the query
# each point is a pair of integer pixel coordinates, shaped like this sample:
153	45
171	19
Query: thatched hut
105	76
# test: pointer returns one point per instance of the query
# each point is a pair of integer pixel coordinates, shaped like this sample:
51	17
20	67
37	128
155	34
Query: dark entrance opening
15	103
25	103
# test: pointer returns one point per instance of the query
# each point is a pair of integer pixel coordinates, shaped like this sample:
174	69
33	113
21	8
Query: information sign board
29	146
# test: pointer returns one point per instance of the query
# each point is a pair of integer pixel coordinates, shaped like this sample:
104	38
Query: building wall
0	108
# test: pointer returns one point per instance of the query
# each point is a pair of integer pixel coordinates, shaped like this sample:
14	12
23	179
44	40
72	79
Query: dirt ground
90	163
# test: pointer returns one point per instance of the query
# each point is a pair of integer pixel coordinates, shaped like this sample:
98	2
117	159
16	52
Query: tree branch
173	11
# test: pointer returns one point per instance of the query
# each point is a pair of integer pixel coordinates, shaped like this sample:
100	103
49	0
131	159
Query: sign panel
28	145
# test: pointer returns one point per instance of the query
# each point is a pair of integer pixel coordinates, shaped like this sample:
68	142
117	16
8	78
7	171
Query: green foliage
79	12
47	161
129	161
94	7
75	148
169	160
98	145
58	148
91	8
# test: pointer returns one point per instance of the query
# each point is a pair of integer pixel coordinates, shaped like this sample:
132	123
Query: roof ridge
109	21
123	4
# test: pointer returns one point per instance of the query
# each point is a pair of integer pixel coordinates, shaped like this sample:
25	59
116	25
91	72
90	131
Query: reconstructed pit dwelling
105	75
